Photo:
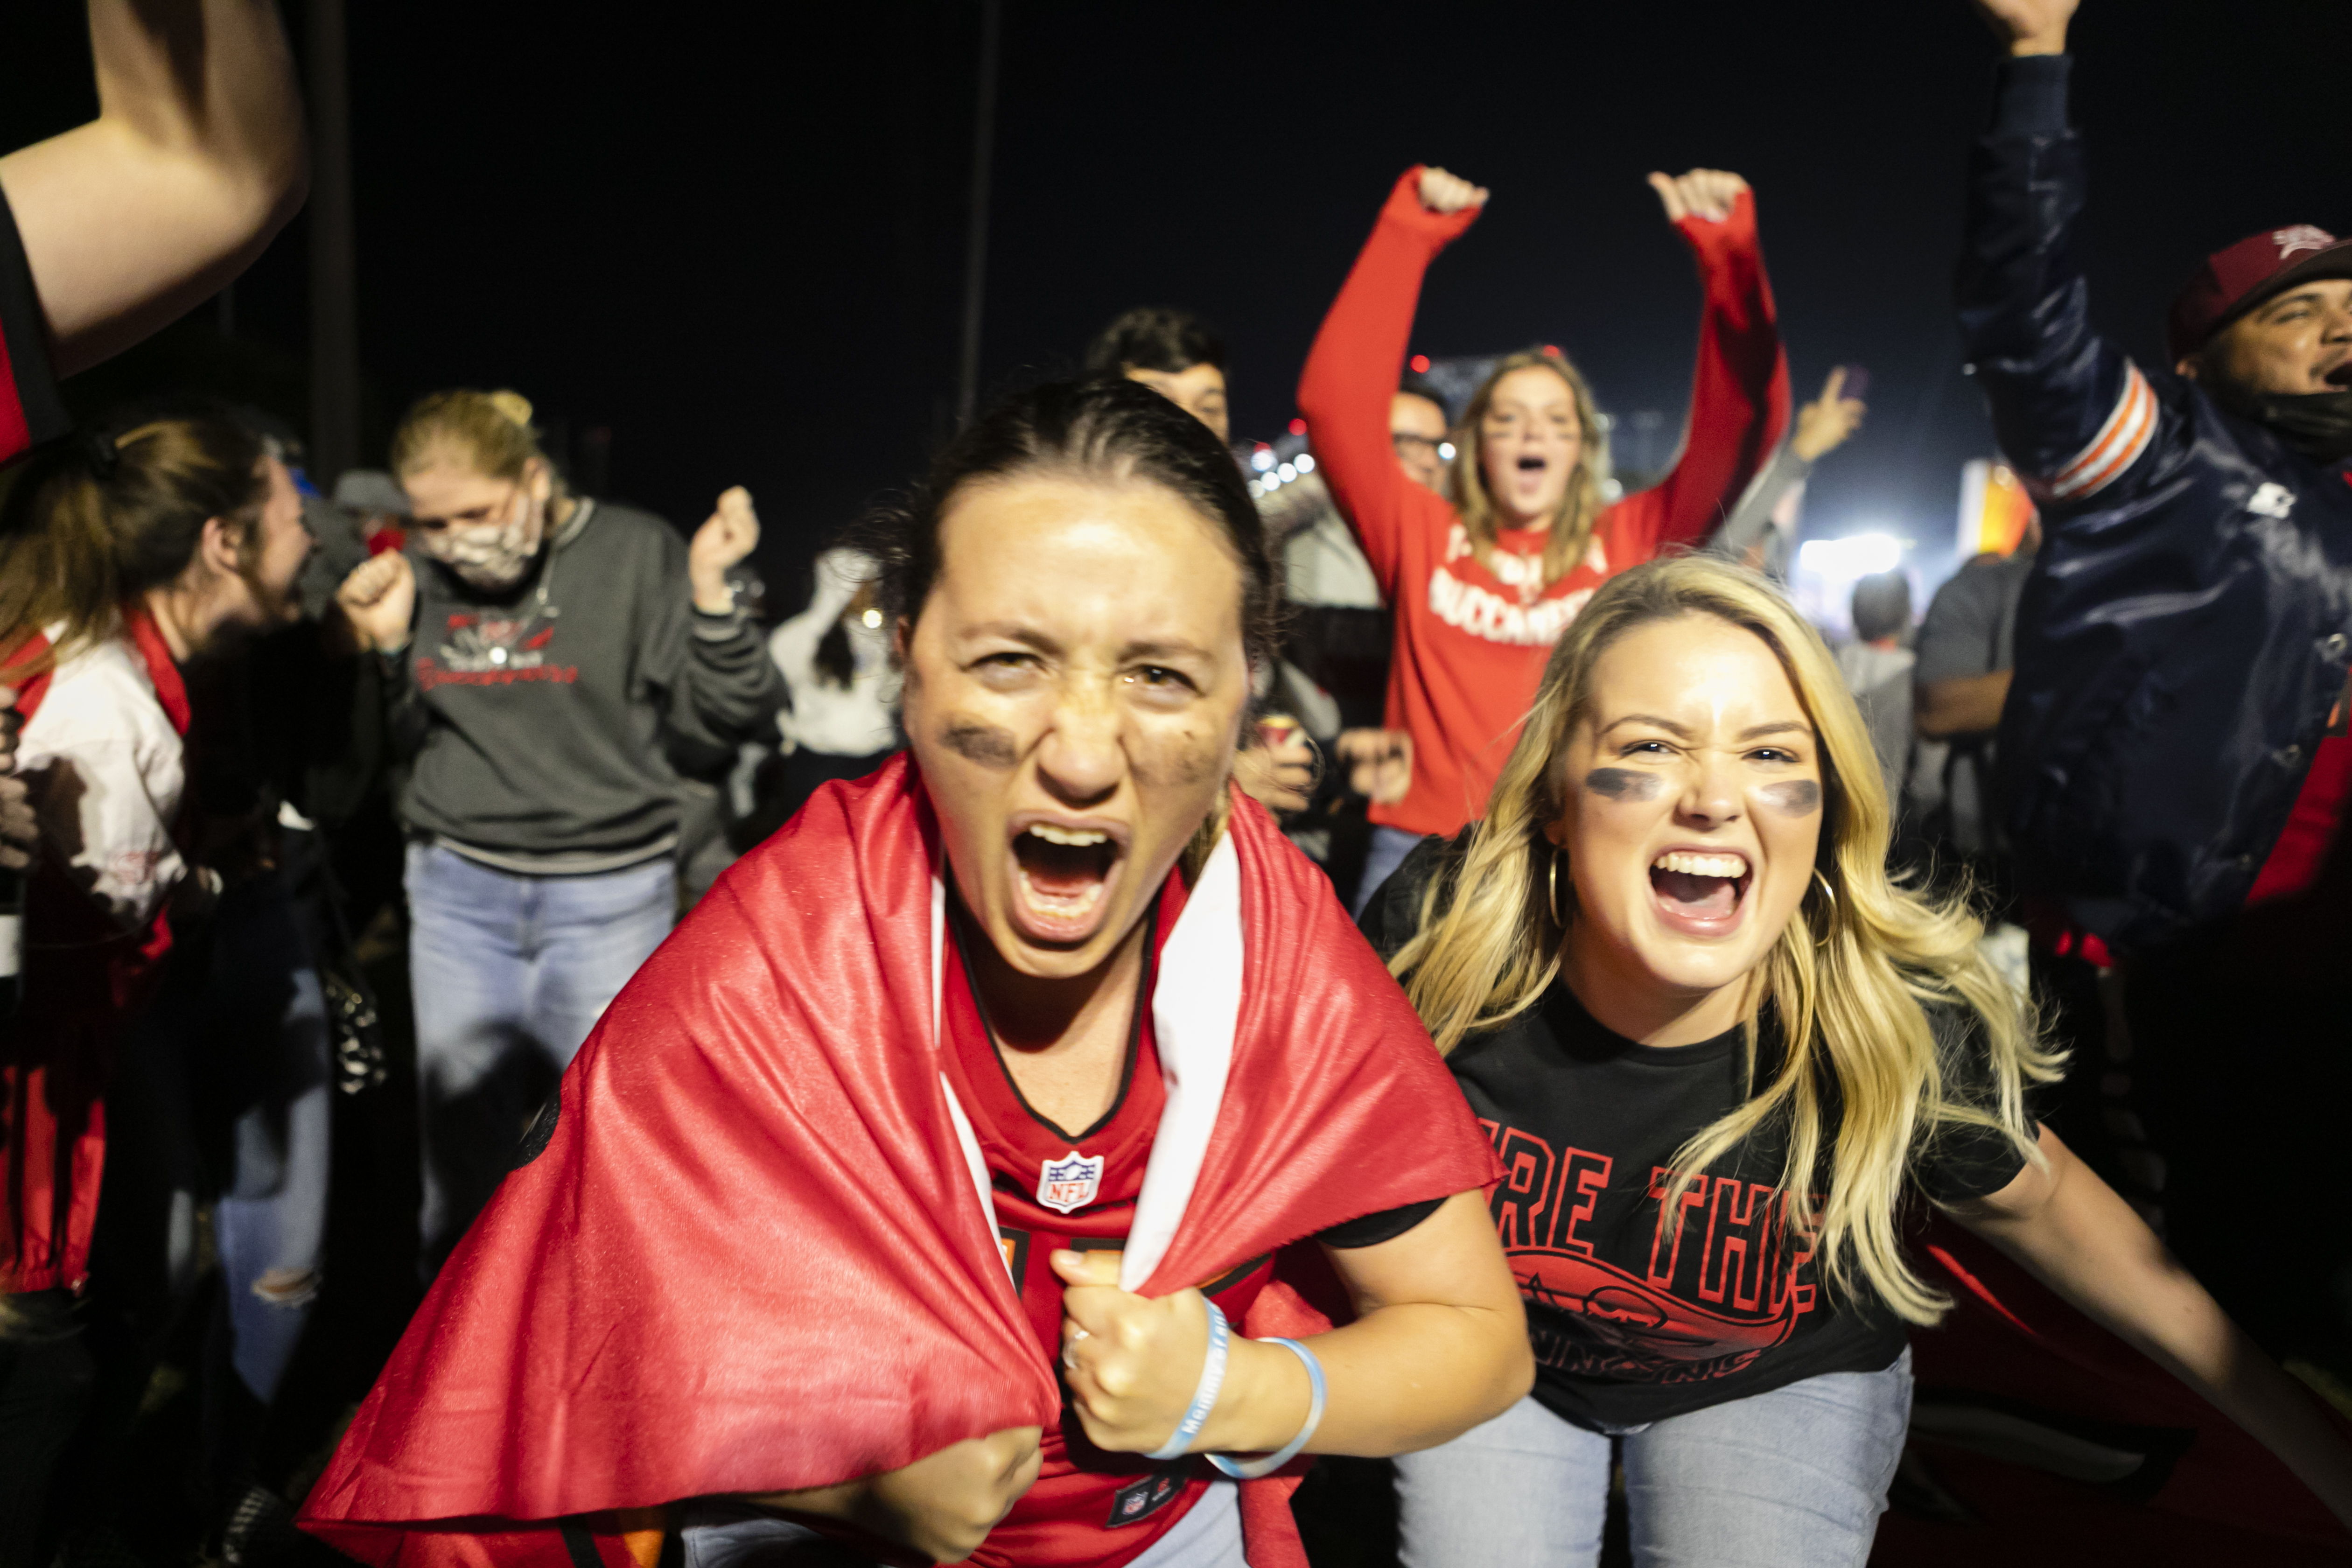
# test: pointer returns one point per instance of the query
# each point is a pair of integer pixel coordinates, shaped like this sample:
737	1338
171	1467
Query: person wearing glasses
540	649
1417	429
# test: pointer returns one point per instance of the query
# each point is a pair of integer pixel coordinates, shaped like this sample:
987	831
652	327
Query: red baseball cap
2233	281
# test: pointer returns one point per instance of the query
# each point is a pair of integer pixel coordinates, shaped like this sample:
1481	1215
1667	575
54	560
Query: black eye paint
982	743
1624	784
1798	797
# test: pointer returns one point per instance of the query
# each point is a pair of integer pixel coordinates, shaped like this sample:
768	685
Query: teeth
1061	906
1691	865
1079	837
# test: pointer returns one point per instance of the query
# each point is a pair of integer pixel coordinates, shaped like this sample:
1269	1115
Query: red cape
751	1256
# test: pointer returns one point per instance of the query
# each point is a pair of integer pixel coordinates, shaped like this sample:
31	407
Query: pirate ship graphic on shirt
1689	1292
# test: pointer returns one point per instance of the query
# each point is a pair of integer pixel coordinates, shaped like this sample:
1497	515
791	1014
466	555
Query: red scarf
56	1054
753	1253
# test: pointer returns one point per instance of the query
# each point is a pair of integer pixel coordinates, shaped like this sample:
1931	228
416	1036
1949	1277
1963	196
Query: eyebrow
2310	295
1682	731
1030	637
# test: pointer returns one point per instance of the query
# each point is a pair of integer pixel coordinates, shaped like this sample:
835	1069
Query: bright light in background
1421	364
1288	473
1305	464
1262	459
1822	577
1445	451
1856	555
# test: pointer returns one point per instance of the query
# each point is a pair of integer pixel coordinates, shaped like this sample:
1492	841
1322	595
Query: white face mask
491	556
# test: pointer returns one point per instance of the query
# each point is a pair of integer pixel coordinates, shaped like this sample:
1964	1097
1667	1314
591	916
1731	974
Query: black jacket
2188	626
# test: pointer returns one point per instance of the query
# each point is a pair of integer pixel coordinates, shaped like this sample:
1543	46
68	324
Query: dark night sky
735	236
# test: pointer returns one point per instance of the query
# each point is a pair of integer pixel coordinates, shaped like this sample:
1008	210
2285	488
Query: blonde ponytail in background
1847	979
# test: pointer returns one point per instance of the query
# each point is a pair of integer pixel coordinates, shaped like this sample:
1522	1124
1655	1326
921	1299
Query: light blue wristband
1251	1469
1204	1397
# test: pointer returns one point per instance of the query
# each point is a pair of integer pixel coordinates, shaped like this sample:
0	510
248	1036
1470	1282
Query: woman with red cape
900	1205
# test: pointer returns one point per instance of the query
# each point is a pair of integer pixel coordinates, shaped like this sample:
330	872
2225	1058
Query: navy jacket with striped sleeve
2188	624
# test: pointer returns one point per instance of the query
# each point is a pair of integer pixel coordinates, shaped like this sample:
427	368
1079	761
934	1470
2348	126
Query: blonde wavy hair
1848	979
1580	508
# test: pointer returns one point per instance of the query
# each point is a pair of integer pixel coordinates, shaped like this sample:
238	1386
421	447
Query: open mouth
1063	874
1701	894
2340	377
1534	465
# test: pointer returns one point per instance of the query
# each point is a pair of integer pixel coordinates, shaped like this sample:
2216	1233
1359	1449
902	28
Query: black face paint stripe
1624	784
1797	797
983	743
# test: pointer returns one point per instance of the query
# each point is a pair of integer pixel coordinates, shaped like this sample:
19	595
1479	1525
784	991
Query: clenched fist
379	600
943	1505
2028	26
1702	193
1446	192
726	537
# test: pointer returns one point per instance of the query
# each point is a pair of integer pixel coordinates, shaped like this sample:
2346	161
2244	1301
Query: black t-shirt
1630	1322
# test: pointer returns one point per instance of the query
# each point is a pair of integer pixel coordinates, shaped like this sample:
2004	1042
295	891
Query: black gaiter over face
2316	424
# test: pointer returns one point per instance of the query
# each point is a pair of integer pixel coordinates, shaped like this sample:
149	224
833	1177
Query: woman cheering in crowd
1035	1053
1481	586
122	557
537	656
1719	1050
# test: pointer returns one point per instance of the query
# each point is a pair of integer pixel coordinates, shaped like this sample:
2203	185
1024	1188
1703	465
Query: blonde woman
1720	1052
1482	585
539	650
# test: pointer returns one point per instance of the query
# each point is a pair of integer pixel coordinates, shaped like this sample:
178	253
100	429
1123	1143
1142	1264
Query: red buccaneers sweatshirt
1470	642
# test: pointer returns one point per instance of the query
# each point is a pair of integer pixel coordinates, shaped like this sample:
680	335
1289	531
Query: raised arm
2070	1230
1740	390
195	160
1359	356
2071	411
720	683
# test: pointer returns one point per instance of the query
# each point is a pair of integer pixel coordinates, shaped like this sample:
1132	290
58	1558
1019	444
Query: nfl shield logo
1069	1183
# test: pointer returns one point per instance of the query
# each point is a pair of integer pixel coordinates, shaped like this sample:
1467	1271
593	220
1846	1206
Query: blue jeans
1793	1479
1389	846
509	974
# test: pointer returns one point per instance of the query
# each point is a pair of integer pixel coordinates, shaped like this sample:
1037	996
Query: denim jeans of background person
511	972
1795	1478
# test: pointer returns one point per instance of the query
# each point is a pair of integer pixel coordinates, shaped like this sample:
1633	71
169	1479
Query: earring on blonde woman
1557	851
1827	891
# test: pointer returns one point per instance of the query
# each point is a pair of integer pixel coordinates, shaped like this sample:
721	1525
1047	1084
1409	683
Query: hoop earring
1554	888
1827	891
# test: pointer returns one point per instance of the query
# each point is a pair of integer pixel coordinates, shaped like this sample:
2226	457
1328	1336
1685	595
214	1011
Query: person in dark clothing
536	647
1719	1049
2173	750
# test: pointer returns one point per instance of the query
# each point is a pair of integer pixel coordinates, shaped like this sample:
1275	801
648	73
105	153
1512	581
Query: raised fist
2028	26
379	599
726	537
1702	193
1445	193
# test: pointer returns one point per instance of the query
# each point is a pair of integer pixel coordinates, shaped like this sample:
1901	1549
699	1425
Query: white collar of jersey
1193	1023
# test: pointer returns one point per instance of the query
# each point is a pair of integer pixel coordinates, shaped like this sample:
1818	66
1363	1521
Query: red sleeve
30	408
1739	395
1352	373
